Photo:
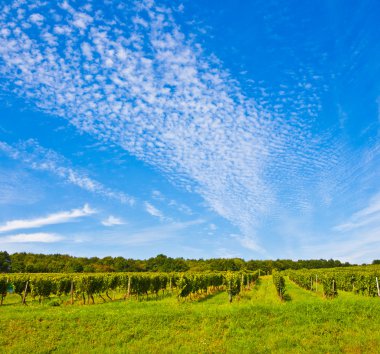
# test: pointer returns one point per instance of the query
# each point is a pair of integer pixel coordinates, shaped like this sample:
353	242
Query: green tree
5	262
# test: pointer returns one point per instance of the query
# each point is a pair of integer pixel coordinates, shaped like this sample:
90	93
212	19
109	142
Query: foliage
233	284
57	263
3	288
5	262
329	286
359	280
85	286
279	283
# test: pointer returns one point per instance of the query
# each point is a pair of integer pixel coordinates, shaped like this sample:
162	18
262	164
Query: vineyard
334	310
85	287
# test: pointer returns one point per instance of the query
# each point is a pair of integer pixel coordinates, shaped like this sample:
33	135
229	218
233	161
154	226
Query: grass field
256	323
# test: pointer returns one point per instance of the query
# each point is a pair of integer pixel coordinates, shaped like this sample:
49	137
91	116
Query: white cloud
87	51
18	188
249	243
82	20
152	210
183	208
112	220
364	217
37	157
226	253
36	18
372	208
158	195
158	233
56	218
41	237
360	246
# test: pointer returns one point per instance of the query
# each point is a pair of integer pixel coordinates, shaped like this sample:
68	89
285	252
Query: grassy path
264	292
297	294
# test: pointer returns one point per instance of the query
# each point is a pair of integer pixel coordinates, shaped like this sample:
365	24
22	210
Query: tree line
23	262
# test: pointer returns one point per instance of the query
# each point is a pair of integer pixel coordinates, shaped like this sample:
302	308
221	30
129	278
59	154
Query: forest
22	262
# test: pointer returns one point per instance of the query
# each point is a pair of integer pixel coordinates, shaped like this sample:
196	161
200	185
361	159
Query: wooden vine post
129	287
72	292
316	282
230	291
26	289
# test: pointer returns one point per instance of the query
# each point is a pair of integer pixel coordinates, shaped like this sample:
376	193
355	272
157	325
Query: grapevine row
279	283
364	282
86	286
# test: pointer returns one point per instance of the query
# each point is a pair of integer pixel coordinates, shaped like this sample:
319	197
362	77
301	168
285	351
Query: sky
189	128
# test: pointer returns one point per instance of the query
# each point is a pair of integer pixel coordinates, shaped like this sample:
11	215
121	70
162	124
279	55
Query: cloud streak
18	188
52	219
112	221
36	157
158	233
152	210
364	217
40	237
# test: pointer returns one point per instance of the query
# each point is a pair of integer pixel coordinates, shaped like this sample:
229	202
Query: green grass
257	323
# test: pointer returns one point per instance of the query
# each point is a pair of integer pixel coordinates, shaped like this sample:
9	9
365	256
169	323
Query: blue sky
193	129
